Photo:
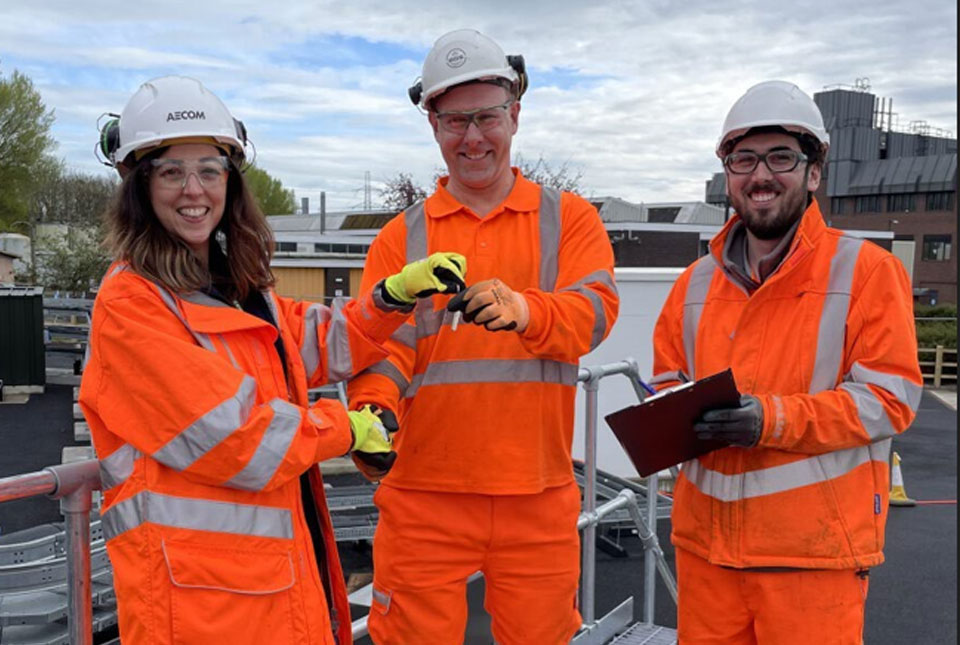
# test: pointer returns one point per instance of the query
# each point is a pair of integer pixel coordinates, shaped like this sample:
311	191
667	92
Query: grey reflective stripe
339	361
388	369
416	224
599	317
696	296
197	439
202	339
315	316
491	370
120	268
198	515
272	449
904	390
778	479
870	409
406	334
549	218
118	466
226	346
833	316
429	320
669	377
200	298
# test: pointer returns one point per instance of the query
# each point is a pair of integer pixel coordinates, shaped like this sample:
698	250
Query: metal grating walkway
643	634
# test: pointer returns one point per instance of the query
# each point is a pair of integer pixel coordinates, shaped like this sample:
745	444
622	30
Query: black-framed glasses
174	173
486	118
777	161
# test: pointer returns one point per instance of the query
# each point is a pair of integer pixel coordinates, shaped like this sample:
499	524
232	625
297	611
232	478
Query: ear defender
415	92
520	67
110	139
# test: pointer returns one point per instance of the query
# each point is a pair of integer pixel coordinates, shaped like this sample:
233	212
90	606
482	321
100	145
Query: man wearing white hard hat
483	479
775	533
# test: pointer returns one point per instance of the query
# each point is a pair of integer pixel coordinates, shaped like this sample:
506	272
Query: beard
770	223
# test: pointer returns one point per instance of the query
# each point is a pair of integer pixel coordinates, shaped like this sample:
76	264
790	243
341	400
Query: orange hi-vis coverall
202	440
486	413
827	344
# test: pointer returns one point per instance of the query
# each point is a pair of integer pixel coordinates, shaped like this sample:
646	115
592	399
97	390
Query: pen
649	389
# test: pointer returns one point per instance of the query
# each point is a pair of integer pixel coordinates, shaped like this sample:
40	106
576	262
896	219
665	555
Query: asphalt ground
913	595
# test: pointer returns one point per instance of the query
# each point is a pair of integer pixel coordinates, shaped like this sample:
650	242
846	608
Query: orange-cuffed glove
494	305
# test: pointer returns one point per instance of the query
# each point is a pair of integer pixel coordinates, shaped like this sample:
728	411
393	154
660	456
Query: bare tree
400	191
541	172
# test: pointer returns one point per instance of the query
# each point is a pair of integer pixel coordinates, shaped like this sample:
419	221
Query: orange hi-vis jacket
492	412
827	344
202	441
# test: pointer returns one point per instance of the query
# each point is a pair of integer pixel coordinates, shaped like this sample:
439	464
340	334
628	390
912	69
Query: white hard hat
774	103
169	108
462	56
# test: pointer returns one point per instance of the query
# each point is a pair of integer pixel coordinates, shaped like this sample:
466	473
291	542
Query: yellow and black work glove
438	273
739	426
372	449
492	304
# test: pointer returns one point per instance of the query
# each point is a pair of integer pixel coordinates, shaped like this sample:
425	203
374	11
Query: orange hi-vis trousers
428	543
724	606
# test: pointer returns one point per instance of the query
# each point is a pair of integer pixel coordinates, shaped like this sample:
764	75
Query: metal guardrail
73	484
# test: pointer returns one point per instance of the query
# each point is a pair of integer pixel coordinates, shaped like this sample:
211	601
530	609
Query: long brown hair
135	235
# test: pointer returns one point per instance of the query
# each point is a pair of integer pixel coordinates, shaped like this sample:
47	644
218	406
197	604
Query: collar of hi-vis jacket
208	315
524	197
811	228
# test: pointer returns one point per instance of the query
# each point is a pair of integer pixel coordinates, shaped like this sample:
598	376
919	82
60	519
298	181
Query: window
867	204
836	205
936	248
354	248
286	247
939	201
900	203
321	248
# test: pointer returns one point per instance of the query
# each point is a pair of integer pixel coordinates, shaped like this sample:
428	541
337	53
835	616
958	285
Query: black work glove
375	465
740	426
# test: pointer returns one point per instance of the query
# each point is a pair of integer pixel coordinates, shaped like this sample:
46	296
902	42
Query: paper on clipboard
658	433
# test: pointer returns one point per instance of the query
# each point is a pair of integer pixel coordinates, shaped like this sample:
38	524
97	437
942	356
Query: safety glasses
487	118
173	174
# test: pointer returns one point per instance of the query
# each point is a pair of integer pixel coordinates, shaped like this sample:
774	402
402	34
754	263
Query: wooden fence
939	369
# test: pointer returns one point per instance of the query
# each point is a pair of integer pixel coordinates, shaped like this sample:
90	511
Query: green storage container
22	357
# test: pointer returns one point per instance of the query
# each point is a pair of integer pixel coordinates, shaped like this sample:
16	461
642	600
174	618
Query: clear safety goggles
487	118
173	174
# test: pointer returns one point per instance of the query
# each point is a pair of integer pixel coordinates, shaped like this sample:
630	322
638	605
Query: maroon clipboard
658	433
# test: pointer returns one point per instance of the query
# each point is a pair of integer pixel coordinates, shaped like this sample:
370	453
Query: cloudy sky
630	94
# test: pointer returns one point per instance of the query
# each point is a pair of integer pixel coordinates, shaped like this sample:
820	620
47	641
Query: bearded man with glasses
775	533
483	479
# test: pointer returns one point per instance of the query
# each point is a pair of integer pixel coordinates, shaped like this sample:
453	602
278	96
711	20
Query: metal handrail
73	484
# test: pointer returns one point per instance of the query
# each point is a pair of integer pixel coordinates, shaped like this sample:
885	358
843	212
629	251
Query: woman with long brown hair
196	391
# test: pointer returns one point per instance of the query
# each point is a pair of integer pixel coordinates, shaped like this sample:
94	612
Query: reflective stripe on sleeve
406	335
495	371
550	224
778	479
339	361
117	467
388	369
833	316
416	225
870	409
599	317
314	317
669	377
194	441
196	514
693	302
272	449
202	339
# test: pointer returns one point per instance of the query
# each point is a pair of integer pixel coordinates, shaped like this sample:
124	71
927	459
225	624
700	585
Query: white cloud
636	96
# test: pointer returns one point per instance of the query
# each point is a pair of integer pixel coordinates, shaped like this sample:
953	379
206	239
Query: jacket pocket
226	596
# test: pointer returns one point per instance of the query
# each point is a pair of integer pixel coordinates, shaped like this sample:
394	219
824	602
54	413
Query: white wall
642	294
